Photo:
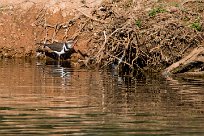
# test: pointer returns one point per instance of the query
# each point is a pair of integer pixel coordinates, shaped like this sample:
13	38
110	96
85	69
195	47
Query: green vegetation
155	11
138	23
197	26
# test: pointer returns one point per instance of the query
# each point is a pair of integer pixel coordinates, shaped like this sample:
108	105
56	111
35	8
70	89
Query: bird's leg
58	60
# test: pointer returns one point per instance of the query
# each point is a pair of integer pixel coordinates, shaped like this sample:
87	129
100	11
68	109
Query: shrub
155	11
197	26
138	23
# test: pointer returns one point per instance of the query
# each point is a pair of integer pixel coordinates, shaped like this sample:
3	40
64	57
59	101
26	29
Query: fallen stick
195	55
92	18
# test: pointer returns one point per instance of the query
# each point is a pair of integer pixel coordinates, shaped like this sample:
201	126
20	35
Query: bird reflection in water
59	72
59	69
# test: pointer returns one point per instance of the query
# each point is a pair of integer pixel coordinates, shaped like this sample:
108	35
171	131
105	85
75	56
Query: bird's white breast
62	51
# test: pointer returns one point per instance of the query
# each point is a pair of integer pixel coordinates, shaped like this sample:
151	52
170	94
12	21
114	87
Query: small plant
138	23
197	26
155	11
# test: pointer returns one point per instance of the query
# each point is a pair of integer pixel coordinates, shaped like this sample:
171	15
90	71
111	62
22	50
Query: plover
58	50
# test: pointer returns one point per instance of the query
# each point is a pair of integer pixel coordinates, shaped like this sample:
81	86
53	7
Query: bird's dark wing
52	55
67	54
55	46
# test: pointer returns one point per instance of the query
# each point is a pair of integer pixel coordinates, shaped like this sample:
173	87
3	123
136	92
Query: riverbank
129	35
25	23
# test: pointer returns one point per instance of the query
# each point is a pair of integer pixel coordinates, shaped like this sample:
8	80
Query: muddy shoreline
21	28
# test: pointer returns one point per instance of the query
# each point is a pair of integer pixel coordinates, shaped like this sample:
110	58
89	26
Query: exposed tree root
197	55
140	40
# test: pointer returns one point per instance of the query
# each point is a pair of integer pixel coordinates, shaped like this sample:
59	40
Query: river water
40	99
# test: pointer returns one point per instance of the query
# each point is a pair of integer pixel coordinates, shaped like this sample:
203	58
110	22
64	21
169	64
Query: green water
39	99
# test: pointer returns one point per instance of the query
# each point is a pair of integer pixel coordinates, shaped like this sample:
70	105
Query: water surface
57	100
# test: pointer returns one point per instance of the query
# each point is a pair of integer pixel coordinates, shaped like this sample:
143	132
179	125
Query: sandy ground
55	5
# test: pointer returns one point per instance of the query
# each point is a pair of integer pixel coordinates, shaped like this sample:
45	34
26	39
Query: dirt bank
21	29
129	35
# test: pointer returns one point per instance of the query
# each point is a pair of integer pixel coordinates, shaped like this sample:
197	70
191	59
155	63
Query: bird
58	50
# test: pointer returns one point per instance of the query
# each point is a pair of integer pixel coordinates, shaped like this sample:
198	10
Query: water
54	100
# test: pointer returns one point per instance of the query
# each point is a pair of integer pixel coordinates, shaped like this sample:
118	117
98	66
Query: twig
120	60
92	18
105	37
79	31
